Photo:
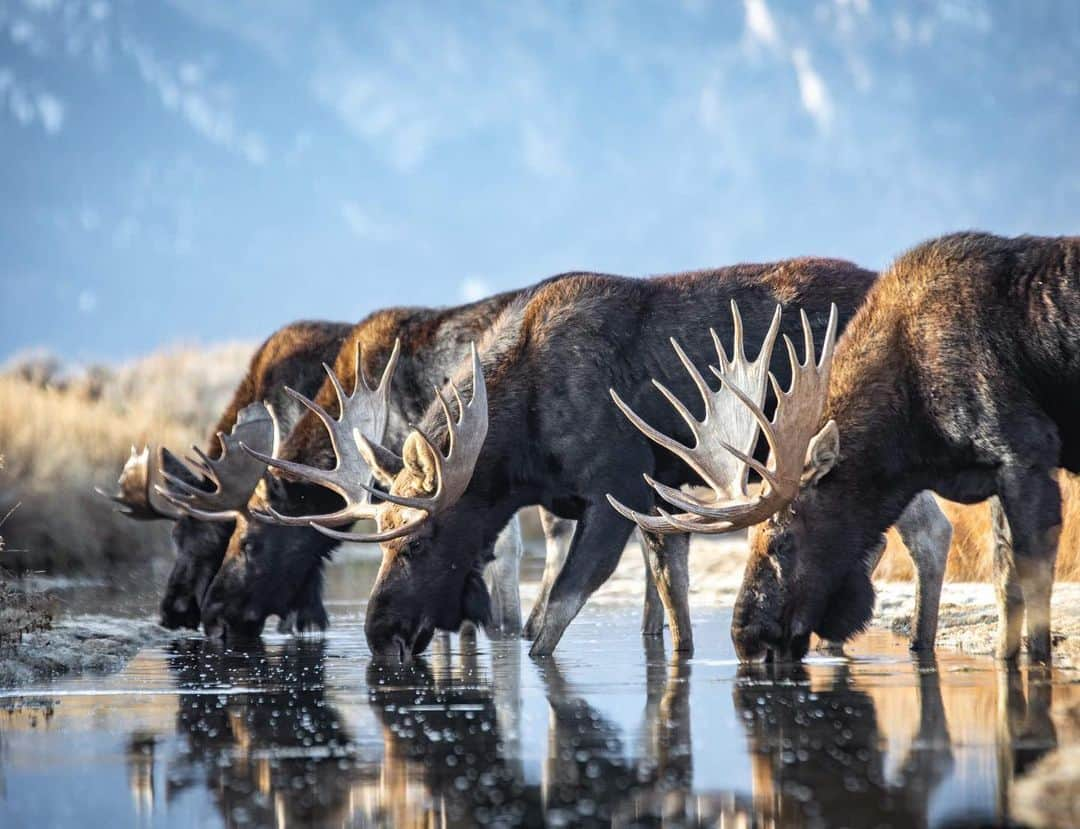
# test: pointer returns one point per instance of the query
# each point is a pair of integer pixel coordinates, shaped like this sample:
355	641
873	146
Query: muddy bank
967	623
79	644
94	642
968	619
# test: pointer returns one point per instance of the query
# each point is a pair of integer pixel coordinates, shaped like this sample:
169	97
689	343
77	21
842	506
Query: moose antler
136	494
453	470
795	422
233	474
361	422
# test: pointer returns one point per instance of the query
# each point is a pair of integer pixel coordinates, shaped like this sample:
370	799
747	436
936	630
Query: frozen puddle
607	732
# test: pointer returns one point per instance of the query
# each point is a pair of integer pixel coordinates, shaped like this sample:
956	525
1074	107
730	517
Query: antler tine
650	523
362	416
391	366
825	363
135	494
725	438
358	369
695	375
339	392
721	352
368	538
233	475
457	398
453	469
651	433
450	423
738	354
796	420
808	339
679	407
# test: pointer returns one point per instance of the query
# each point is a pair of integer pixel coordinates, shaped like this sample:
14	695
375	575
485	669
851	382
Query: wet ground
606	732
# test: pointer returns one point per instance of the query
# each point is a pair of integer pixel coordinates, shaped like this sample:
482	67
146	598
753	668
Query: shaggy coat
960	374
268	569
290	357
555	439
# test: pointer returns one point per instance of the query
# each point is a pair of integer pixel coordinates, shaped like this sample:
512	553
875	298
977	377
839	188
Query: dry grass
62	436
970	557
65	429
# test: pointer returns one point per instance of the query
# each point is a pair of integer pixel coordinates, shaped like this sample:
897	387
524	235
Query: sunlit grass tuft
970	557
62	435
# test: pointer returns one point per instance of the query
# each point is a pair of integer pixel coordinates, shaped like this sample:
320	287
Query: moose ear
383	463
821	454
418	457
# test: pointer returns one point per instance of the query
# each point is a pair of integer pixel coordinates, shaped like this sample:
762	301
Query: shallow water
607	732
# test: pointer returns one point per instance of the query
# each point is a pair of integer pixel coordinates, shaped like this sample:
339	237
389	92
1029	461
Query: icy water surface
607	732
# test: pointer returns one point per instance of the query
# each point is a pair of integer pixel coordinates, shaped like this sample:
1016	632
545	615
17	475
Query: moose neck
876	402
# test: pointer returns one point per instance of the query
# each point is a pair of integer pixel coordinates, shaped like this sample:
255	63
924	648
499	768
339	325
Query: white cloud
188	92
366	226
22	107
27	107
474	288
709	108
542	153
759	23
373	109
812	90
87	302
51	110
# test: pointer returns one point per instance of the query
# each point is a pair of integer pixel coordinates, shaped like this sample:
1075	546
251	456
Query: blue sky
198	171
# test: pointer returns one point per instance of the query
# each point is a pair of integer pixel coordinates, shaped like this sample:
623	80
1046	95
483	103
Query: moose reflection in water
276	754
449	731
442	742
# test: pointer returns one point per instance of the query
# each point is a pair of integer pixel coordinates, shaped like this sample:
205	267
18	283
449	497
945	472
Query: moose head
801	452
416	591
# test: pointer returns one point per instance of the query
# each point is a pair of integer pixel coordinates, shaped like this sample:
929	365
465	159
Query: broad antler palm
136	494
727	433
233	475
361	418
349	478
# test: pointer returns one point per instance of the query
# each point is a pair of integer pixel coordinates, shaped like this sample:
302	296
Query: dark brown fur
264	564
556	440
292	357
961	374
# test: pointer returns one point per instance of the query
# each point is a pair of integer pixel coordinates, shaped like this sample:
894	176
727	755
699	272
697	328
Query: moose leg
557	535
1031	499
503	575
927	534
310	611
668	557
652	613
594	552
1010	598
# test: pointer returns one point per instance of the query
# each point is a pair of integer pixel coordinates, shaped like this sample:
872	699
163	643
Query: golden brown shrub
57	446
970	556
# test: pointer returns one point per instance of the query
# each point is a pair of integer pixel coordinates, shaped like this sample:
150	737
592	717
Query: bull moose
960	374
259	565
291	356
538	431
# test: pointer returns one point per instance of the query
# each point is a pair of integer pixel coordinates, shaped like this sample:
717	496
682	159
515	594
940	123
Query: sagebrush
63	435
970	557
